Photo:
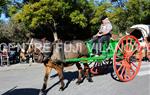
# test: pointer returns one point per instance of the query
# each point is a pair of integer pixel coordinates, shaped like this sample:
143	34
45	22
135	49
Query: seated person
102	35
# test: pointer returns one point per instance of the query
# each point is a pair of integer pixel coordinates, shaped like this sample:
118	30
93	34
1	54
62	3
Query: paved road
22	79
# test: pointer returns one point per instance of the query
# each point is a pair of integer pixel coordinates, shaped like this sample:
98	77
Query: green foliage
100	11
134	12
12	10
9	7
2	3
76	18
13	32
57	15
138	10
30	1
39	13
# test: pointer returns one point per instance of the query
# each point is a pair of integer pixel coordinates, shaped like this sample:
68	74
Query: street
22	79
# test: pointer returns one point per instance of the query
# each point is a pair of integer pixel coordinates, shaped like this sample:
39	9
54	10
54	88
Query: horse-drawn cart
125	54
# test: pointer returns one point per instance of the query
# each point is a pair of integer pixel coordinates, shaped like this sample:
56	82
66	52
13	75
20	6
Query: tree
57	16
12	32
2	3
138	11
134	12
76	19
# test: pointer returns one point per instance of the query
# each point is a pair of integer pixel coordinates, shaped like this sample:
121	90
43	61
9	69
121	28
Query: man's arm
99	32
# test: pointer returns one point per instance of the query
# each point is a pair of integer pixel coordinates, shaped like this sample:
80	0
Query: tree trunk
55	31
55	36
53	28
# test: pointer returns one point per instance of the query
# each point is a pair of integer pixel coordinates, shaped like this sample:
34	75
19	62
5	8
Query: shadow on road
106	67
69	76
22	91
103	69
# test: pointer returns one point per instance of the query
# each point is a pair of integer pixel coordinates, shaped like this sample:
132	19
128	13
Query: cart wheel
95	69
127	58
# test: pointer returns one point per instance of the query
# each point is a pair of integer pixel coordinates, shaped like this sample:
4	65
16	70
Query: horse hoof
42	92
78	82
61	89
90	80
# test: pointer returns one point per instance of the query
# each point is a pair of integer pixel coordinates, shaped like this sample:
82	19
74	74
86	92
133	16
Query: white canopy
139	30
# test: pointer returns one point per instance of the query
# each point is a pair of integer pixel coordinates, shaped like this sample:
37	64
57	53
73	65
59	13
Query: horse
53	56
22	56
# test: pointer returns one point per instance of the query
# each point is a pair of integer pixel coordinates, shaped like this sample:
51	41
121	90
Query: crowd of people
8	56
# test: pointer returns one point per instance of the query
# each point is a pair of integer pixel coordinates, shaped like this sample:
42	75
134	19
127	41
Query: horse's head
22	55
38	49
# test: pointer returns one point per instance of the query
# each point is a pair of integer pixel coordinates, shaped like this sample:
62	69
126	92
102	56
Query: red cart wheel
127	58
95	69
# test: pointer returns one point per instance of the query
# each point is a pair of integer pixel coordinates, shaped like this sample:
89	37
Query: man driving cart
102	36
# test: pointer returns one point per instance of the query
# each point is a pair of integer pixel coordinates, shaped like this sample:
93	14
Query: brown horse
53	56
22	56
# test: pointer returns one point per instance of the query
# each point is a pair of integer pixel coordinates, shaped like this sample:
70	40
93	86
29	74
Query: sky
3	16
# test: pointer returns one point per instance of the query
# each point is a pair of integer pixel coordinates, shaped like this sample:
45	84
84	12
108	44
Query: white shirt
106	27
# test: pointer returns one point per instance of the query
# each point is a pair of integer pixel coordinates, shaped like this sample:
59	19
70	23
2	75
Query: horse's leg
20	59
80	73
47	72
59	70
87	72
